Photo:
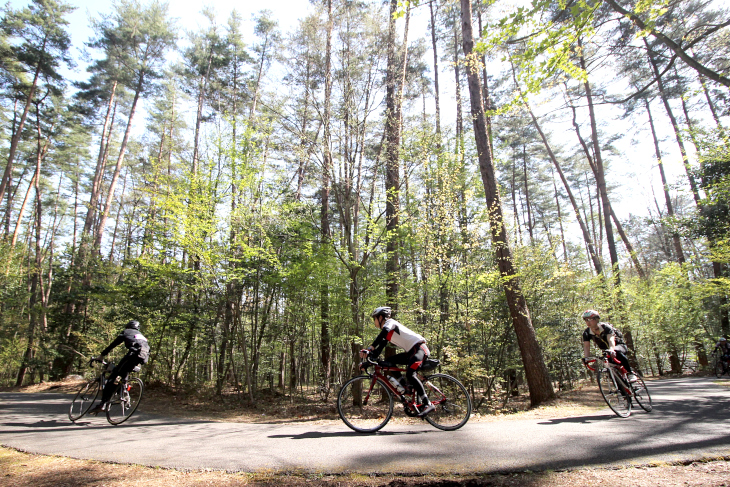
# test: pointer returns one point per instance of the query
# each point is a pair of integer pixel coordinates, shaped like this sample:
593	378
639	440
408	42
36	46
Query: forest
251	196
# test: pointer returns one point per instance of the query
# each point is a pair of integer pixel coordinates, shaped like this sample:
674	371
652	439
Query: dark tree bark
324	343
536	371
392	165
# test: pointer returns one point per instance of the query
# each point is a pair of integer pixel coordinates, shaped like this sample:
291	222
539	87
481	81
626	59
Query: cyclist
607	338
138	352
415	353
723	346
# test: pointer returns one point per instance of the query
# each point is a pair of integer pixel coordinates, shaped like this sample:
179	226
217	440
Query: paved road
690	421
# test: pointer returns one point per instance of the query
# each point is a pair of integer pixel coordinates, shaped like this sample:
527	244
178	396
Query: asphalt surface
690	421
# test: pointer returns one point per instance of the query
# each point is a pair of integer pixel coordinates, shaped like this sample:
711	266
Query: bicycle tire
452	401
641	394
719	369
122	408
365	406
616	400
83	400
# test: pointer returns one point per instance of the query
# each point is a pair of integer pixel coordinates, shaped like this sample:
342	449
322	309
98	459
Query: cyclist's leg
621	356
415	360
398	359
121	370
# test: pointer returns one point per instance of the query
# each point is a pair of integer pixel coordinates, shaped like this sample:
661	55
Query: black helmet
134	324
381	311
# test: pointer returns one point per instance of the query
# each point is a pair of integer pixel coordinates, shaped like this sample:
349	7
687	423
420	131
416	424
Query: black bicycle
721	365
123	403
365	402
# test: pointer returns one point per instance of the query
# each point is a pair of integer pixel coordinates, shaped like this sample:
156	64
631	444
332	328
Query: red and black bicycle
365	403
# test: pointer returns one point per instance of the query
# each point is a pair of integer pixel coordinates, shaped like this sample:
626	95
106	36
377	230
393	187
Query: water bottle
396	384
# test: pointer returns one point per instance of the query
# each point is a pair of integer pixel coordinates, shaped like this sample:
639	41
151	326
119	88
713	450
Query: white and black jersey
602	339
397	334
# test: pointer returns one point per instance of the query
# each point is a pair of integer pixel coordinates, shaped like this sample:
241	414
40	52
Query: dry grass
19	469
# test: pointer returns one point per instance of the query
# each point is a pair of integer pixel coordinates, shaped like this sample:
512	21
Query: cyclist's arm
379	343
611	343
586	349
117	341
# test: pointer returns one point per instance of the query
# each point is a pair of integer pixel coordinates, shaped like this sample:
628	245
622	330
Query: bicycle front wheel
617	399
125	401
452	401
365	404
83	400
641	394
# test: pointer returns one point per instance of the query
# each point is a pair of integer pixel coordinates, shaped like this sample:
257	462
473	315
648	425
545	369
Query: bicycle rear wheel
365	404
452	401
617	400
83	400
641	394
125	401
719	369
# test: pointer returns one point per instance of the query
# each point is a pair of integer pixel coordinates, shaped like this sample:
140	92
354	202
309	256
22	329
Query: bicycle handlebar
101	361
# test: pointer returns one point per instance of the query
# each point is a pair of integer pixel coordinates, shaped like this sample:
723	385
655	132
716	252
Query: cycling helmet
133	324
590	313
381	311
723	339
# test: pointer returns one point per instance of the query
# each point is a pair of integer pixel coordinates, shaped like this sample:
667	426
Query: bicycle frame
407	398
614	368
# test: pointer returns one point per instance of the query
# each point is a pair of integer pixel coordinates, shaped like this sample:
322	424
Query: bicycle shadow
581	419
345	434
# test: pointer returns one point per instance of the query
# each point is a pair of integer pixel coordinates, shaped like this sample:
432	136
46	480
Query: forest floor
21	469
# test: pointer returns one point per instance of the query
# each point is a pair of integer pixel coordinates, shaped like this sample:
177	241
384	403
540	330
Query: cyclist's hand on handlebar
364	353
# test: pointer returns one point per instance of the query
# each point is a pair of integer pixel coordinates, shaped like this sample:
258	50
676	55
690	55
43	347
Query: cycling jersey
601	340
397	334
135	342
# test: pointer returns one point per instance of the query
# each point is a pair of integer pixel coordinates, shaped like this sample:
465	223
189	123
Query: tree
43	46
536	372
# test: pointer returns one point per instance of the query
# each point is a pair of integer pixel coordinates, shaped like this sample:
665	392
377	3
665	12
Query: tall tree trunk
118	167
576	209
324	340
105	138
667	198
536	371
392	171
600	174
15	139
35	277
675	124
436	94
711	105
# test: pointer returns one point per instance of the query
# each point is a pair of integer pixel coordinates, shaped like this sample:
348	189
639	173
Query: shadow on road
335	434
580	419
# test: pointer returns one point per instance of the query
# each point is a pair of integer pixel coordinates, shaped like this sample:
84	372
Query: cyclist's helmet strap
591	313
133	324
381	311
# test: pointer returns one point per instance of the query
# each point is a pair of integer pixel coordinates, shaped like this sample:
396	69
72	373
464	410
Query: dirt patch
19	469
